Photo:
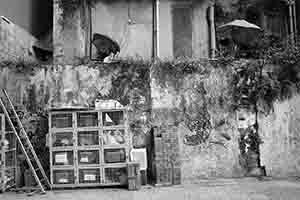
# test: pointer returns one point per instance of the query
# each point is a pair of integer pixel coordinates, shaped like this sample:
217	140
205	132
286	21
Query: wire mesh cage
63	177
62	139
89	119
116	175
89	176
114	155
63	158
88	138
61	120
114	137
113	118
88	157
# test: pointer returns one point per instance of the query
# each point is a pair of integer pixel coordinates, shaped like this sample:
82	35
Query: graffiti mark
197	119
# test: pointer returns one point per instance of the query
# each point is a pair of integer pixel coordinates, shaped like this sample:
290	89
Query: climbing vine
69	6
173	72
199	125
21	65
127	76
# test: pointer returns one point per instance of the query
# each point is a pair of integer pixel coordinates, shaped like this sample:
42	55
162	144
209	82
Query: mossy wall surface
196	104
34	91
281	139
192	100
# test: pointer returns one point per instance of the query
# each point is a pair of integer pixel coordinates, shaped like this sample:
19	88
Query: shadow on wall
42	17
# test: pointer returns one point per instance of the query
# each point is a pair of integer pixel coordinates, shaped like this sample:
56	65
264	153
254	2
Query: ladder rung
37	169
18	129
42	180
26	147
27	150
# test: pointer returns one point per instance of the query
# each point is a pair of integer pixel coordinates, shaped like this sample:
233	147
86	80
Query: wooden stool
134	176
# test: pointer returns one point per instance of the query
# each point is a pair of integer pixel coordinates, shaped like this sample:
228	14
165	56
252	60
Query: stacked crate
134	176
2	155
88	147
167	156
8	153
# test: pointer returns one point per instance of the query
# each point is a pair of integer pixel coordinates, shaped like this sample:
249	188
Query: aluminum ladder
25	144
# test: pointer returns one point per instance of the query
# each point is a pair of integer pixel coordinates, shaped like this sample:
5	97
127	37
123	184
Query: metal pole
212	30
291	22
154	35
157	27
295	17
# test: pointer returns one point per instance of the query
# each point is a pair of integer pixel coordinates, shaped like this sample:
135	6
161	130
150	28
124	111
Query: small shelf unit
88	147
8	156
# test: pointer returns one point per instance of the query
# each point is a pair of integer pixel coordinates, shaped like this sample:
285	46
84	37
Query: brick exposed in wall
167	156
214	156
15	42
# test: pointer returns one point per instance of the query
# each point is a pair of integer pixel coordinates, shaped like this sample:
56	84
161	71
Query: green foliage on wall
20	65
69	6
274	76
127	76
172	72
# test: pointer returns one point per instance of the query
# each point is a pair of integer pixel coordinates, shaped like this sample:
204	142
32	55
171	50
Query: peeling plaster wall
216	156
130	24
15	42
201	31
35	16
281	139
165	30
135	38
67	85
200	48
19	12
37	90
70	35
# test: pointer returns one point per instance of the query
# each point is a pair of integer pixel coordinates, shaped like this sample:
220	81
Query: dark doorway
182	30
151	177
42	17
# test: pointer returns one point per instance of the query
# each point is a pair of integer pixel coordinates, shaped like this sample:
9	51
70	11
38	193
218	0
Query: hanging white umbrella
243	33
240	23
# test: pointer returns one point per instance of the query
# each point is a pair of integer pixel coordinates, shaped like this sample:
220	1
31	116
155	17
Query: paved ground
221	189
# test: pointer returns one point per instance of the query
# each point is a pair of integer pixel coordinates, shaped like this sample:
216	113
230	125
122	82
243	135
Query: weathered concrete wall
176	107
19	12
207	132
70	34
193	108
281	140
165	31
23	21
34	16
128	23
15	42
34	91
200	32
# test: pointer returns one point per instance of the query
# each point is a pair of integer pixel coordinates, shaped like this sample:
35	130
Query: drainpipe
290	3
295	17
212	31
155	41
